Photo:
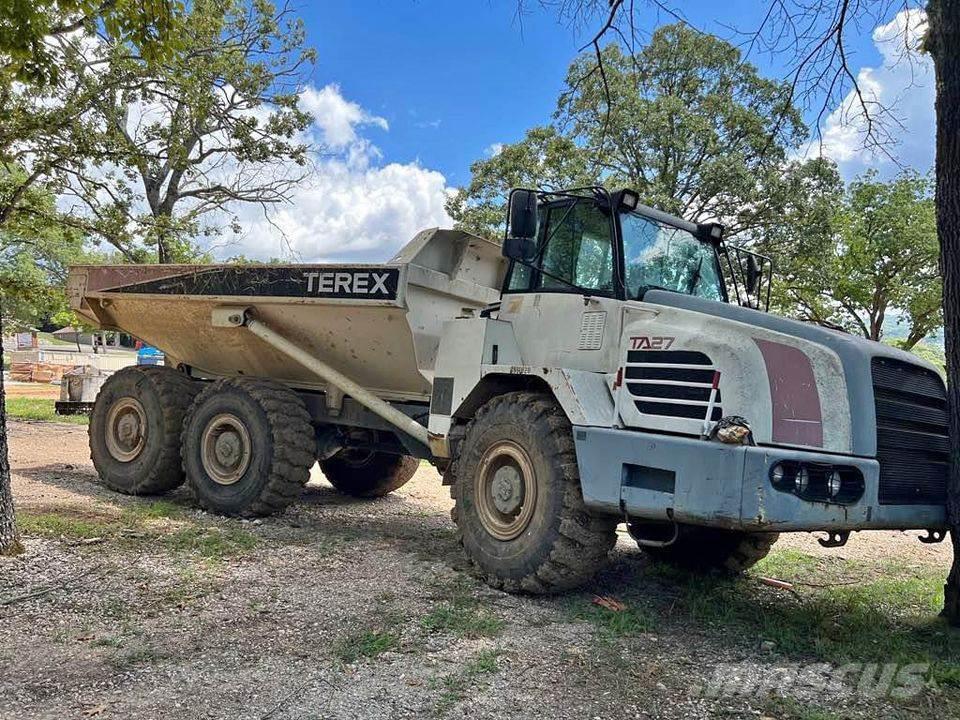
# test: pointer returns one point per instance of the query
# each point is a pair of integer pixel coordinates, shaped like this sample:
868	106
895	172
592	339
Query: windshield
661	256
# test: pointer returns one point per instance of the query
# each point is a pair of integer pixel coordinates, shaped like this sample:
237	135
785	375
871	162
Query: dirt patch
147	608
32	390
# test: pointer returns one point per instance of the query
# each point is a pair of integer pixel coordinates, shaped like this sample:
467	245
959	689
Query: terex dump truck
608	363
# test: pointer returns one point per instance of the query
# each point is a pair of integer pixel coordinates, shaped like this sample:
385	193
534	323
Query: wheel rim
359	457
126	432
505	493
225	449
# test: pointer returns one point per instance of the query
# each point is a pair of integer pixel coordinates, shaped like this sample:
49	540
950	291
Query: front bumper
688	480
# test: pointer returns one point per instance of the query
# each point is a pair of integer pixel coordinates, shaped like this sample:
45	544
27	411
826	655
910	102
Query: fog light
777	474
802	481
833	483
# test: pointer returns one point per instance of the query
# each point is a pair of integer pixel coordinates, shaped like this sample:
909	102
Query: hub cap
506	490
225	449
126	429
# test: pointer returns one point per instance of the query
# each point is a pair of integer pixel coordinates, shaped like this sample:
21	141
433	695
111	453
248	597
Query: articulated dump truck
606	363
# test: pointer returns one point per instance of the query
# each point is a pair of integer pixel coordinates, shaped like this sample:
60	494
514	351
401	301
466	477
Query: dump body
379	324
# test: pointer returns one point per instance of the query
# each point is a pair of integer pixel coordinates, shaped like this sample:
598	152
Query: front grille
672	383
913	447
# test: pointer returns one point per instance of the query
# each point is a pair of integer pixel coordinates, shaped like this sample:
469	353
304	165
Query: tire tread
585	539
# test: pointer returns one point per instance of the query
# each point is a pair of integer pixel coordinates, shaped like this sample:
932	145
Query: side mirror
753	275
523	214
521	243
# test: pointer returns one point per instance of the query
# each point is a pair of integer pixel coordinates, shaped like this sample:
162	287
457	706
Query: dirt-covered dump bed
378	324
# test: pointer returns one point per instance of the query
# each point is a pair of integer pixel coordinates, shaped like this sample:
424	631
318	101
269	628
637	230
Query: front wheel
704	549
518	506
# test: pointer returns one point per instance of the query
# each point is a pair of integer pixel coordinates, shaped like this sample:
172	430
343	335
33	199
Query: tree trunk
9	537
943	41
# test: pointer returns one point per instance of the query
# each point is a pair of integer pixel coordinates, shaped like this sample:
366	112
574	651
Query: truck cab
697	418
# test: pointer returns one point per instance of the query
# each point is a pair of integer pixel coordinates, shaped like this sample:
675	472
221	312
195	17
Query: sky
406	94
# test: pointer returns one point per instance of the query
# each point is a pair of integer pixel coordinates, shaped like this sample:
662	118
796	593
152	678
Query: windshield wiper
644	288
695	278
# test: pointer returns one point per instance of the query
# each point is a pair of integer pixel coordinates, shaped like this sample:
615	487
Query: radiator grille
672	383
912	441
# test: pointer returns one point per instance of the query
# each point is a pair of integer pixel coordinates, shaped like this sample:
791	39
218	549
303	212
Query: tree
9	537
852	260
216	123
41	125
26	27
35	252
685	121
942	43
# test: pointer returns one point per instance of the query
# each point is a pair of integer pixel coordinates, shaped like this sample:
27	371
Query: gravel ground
349	609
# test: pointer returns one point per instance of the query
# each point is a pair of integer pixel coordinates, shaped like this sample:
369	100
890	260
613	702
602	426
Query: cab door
564	305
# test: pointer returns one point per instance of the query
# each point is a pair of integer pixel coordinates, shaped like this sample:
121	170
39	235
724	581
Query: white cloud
904	83
348	213
493	149
337	118
352	206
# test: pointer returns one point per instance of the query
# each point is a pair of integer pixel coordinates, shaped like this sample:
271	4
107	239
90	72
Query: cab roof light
629	199
712	231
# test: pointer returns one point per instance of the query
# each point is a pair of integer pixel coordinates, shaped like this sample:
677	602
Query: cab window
575	251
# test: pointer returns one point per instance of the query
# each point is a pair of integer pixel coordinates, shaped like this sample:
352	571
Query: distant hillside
892	330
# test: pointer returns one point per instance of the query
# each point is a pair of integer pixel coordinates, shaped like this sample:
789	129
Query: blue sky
407	93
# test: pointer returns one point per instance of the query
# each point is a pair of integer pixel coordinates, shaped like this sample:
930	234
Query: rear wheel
368	474
518	506
135	429
247	447
703	549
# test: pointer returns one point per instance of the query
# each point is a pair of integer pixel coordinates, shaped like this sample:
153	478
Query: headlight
777	474
818	482
834	483
802	481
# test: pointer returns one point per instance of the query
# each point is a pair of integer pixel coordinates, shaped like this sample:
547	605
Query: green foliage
39	409
26	27
151	127
690	125
849	258
35	250
931	353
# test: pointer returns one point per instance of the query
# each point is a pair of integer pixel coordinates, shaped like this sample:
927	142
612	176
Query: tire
702	549
368	474
550	545
247	447
135	429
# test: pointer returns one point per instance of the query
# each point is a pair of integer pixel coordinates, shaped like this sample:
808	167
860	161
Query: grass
158	523
42	409
463	617
366	644
51	339
455	685
884	612
611	624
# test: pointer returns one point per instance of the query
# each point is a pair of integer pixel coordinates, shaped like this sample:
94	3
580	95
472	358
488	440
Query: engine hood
854	354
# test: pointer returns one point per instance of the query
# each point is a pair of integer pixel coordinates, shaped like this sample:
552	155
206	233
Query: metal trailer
609	363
